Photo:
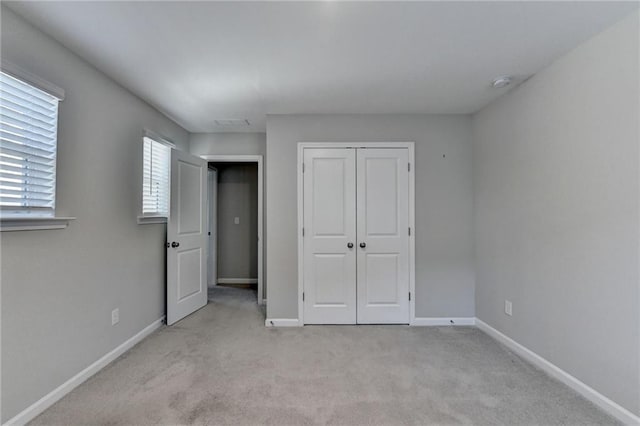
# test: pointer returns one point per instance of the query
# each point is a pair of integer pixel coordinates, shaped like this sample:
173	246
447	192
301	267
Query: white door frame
412	225
249	159
212	195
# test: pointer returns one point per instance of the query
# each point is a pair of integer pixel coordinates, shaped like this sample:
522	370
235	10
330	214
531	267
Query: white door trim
250	159
412	225
212	220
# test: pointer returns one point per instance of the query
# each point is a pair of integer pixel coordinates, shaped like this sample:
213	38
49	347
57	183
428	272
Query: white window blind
28	139
156	175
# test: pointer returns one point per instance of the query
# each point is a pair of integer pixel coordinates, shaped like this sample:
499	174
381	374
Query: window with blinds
155	181
28	139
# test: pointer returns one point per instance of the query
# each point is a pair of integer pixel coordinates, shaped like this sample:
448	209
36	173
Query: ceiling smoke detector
501	82
232	122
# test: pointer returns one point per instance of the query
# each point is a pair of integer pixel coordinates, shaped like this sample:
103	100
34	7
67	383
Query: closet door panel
329	226
383	236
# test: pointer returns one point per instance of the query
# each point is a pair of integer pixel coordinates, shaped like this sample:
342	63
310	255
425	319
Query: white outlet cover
236	220
508	307
115	316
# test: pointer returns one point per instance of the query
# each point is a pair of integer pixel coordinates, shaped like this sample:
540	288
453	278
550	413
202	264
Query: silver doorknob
363	245
174	244
350	245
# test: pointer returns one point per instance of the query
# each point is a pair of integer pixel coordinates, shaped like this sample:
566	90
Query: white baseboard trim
237	281
611	407
282	322
443	321
55	395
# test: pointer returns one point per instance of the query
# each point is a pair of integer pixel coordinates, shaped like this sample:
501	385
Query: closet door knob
363	245
174	244
350	245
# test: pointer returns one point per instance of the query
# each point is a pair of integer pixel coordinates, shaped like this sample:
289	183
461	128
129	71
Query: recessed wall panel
328	196
381	196
189	276
382	279
331	279
189	220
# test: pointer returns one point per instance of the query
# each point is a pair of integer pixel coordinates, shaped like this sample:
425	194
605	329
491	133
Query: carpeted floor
222	366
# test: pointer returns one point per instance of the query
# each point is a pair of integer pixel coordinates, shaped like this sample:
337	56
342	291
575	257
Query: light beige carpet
222	366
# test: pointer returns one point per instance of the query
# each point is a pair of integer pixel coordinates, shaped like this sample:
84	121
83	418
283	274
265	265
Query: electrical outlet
508	307
115	316
236	220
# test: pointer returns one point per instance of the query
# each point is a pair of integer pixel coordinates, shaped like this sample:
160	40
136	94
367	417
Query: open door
187	237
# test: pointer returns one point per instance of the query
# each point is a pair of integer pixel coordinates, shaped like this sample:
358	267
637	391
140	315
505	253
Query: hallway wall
237	198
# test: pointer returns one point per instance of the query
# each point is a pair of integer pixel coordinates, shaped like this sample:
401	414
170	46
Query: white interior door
187	236
383	236
212	257
329	236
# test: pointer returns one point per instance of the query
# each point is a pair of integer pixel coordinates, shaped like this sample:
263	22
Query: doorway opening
235	219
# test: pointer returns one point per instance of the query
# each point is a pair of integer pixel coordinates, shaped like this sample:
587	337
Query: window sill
33	223
144	220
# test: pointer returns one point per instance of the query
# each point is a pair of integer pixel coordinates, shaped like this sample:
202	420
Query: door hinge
303	231
303	296
409	295
302	167
409	231
409	166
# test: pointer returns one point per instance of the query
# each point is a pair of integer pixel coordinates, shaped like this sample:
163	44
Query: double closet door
356	236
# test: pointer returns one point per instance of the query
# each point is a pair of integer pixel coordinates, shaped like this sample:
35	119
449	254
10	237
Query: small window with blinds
28	142
155	181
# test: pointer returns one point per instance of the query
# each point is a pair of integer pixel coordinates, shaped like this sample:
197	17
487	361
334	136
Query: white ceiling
202	61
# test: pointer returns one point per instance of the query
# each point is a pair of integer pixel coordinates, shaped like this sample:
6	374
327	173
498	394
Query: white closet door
329	229
383	236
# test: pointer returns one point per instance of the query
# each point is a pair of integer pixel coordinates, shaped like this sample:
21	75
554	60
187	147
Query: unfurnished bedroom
320	212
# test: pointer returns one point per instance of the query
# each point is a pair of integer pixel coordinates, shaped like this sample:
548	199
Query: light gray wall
59	286
444	264
237	197
228	143
556	213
